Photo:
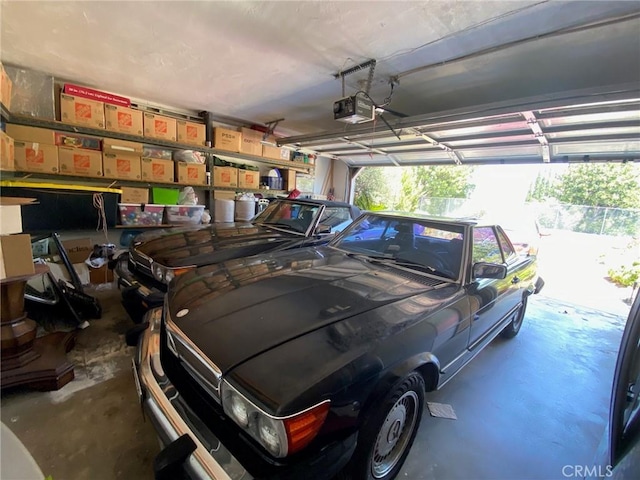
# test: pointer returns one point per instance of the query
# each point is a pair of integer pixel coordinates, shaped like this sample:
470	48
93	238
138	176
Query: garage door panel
502	152
493	129
621	132
603	117
471	142
597	148
434	156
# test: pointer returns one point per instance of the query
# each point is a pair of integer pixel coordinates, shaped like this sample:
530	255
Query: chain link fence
553	216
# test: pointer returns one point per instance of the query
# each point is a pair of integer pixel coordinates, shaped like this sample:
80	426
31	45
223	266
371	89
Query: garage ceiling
261	61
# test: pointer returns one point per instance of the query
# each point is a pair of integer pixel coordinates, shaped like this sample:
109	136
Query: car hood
213	244
239	309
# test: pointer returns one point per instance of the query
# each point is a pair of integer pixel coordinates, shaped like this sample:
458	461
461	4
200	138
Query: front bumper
137	297
171	416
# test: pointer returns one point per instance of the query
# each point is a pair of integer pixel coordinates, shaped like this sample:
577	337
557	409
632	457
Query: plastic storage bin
181	214
224	210
136	214
274	183
165	196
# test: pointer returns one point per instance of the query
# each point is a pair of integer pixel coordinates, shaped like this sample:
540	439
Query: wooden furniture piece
40	363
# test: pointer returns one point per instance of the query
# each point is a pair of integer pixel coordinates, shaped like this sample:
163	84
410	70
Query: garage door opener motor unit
354	109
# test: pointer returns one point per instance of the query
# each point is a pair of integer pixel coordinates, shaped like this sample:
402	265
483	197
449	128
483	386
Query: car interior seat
404	240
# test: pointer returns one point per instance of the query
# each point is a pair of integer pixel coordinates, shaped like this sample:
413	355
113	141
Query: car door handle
476	317
515	280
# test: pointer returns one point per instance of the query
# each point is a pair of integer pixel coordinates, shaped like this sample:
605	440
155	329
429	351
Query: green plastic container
165	196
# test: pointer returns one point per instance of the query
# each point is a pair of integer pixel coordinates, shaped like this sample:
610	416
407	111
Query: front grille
192	361
210	417
140	263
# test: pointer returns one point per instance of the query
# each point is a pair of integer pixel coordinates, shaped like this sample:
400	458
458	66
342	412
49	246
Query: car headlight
280	436
165	274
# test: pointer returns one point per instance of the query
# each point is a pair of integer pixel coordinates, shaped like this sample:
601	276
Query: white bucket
223	211
245	210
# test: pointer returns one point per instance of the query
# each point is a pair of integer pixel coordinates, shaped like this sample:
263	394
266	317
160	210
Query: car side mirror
489	270
323	229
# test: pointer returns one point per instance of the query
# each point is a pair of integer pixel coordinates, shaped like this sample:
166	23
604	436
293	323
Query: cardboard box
134	195
15	256
6	87
225	139
11	213
10	219
113	145
122	166
251	142
248	178
225	176
157	170
191	173
63	139
36	157
100	275
31	134
81	162
81	111
78	250
289	178
191	133
158	126
275	153
123	119
7	152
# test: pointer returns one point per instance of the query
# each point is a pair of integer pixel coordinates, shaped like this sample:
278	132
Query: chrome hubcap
394	434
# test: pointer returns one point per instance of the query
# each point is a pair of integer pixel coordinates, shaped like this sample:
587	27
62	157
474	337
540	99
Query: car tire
512	329
385	439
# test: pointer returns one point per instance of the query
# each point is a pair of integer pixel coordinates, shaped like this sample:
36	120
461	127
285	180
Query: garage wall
339	179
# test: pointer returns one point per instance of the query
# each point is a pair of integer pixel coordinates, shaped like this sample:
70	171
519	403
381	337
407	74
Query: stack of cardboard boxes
95	109
7	152
39	150
249	142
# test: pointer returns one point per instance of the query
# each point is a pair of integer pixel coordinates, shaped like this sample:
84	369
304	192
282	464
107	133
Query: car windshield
289	215
424	245
336	217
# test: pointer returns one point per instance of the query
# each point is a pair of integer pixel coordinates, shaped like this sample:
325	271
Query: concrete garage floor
525	407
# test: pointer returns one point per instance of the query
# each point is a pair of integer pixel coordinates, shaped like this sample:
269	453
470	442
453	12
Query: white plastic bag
187	196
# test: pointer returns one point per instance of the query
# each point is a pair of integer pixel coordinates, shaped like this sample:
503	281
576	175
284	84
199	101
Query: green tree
372	189
449	181
601	185
605	185
542	189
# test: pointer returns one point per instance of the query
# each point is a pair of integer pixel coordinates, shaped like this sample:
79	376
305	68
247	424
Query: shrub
625	276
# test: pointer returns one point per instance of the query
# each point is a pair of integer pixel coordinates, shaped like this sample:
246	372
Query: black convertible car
307	362
155	258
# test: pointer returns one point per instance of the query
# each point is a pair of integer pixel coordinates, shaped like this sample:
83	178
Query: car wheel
512	329
386	437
